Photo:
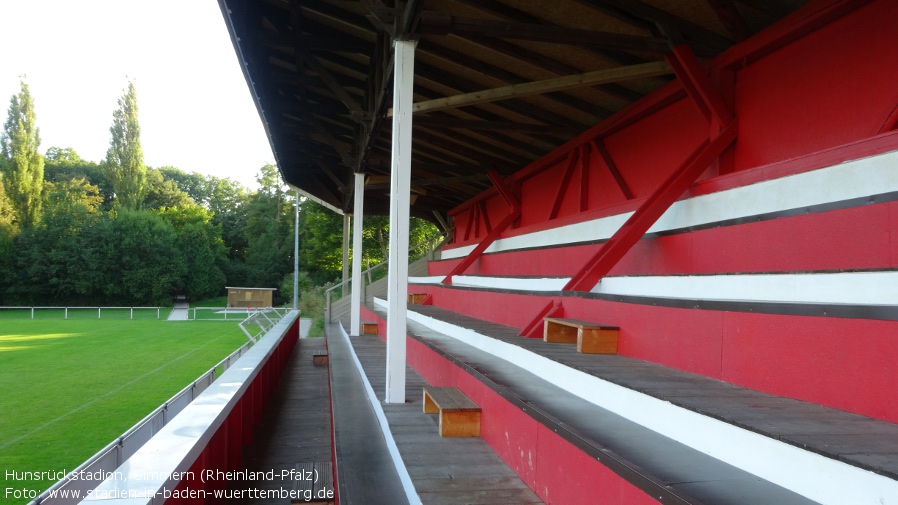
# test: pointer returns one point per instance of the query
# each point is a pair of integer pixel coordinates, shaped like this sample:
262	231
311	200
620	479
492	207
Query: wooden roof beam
640	71
474	63
323	73
499	126
446	79
443	24
341	185
549	64
439	181
324	135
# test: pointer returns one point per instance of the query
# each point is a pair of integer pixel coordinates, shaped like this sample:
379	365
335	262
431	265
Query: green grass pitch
69	387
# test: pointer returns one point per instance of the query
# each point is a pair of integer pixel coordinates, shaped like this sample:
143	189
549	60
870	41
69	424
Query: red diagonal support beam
584	177
491	237
891	122
599	146
572	159
698	86
645	216
534	328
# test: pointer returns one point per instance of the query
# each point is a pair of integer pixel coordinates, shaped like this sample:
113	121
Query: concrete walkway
179	312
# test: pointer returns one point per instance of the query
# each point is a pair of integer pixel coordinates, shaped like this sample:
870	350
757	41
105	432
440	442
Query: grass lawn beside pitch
68	388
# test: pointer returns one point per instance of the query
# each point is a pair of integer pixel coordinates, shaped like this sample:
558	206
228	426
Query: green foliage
64	164
52	260
312	301
162	192
320	242
194	184
21	163
142	263
196	235
6	212
75	196
268	231
124	159
201	249
203	253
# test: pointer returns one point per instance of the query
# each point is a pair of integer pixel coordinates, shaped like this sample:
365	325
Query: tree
268	231
63	164
162	192
6	213
194	184
77	197
21	162
139	253
54	258
124	159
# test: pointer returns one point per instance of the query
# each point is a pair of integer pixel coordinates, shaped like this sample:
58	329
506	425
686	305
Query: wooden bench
459	415
369	328
313	483
320	358
591	338
416	298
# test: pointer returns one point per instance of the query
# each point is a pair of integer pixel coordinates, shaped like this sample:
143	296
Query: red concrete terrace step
854	440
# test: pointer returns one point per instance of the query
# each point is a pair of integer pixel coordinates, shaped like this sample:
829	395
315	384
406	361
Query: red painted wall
853	238
545	461
840	363
828	88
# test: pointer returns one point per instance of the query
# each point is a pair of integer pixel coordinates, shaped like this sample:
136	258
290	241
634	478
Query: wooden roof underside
500	82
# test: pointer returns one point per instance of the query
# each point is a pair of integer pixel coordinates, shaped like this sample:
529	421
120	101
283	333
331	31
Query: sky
195	108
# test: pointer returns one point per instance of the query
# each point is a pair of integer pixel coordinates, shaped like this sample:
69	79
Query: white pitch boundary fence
99	310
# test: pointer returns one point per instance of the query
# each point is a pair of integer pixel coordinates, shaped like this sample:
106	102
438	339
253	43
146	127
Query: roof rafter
442	24
546	86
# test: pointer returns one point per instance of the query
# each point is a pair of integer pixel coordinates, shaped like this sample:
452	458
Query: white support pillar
355	323
295	257
345	289
400	186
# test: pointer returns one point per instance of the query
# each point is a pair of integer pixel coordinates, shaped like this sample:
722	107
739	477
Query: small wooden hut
250	297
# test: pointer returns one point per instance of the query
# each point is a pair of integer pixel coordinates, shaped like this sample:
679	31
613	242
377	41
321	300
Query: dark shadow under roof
321	74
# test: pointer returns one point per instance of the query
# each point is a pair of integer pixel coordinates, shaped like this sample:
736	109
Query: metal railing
30	311
223	313
428	246
262	321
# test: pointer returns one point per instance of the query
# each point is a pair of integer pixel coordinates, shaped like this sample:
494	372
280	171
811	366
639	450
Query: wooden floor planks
858	440
296	426
665	464
444	470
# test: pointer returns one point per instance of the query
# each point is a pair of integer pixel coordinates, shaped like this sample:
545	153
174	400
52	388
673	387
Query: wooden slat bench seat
320	358
314	483
459	415
591	338
416	298
369	328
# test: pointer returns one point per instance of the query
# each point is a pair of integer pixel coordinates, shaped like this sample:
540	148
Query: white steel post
295	258
345	289
355	323
400	186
